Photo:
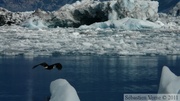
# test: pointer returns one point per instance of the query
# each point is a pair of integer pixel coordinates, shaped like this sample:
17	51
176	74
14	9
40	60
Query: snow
169	82
16	40
61	90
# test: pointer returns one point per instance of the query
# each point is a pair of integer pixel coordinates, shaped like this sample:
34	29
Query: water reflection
96	78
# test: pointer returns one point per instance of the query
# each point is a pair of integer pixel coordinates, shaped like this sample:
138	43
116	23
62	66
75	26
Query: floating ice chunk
34	23
169	82
126	24
106	45
160	23
113	15
87	44
76	33
61	90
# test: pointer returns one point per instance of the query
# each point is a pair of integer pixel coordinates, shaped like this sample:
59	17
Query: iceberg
125	24
61	90
34	23
169	82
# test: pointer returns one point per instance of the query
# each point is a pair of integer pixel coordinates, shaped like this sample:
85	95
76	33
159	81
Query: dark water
96	78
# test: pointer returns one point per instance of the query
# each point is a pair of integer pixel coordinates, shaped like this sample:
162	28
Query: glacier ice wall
8	17
61	90
139	9
87	12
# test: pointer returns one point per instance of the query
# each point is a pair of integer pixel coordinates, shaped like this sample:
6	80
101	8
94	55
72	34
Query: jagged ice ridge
87	12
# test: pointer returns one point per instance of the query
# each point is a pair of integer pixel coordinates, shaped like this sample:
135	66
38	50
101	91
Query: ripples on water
96	78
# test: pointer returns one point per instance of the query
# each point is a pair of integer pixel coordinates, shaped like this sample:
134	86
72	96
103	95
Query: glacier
92	12
122	14
86	12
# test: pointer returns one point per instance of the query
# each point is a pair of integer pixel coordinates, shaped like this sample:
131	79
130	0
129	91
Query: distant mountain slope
175	11
50	5
166	5
29	5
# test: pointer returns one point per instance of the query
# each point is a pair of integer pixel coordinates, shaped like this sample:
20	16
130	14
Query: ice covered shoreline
16	40
103	28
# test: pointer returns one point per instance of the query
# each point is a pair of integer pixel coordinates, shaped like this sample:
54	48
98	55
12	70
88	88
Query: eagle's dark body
49	67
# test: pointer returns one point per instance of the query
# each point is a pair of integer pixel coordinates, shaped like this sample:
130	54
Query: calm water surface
96	78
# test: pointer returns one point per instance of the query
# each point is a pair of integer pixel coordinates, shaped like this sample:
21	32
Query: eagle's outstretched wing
44	64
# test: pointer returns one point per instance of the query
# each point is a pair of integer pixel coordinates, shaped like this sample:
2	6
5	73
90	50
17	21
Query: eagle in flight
49	67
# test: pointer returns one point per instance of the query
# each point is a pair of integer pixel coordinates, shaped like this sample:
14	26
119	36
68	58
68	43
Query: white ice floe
61	90
35	23
16	40
169	82
125	24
